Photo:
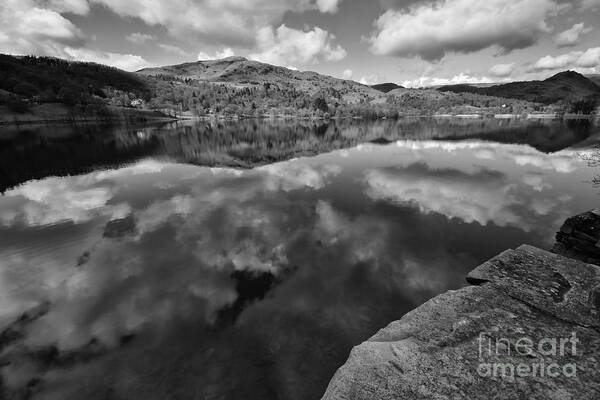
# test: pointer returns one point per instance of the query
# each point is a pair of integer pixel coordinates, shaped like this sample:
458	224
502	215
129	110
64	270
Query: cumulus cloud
399	4
472	193
328	6
229	22
571	36
169	48
478	197
461	26
293	176
225	53
285	46
57	200
502	70
462	78
39	27
80	7
372	79
139	38
574	59
27	28
347	74
564	161
333	227
128	62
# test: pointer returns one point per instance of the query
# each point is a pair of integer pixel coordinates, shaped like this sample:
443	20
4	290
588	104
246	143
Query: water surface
149	267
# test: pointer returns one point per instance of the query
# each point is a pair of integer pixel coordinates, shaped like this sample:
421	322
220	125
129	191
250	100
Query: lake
237	260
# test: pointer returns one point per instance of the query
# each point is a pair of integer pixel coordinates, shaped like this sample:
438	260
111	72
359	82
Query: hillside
37	89
41	88
431	101
386	87
53	79
594	78
238	72
568	86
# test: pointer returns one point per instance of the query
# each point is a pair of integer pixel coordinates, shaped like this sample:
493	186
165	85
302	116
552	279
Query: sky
410	42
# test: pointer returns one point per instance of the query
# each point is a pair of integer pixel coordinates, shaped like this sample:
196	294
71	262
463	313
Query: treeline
89	89
201	98
430	101
28	80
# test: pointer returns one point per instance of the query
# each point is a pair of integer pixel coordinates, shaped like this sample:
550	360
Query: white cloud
461	26
289	176
128	62
230	22
347	74
140	38
328	6
502	70
472	193
564	162
571	36
372	79
80	7
462	78
56	200
332	228
575	59
284	46
480	197
225	53
26	28
38	27
172	49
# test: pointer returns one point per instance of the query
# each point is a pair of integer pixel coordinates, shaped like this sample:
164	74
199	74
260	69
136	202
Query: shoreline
146	116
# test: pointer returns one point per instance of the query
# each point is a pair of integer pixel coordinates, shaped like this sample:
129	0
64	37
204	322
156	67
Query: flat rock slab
528	331
563	287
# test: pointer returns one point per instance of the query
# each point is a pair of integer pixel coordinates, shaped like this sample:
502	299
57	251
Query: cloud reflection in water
145	262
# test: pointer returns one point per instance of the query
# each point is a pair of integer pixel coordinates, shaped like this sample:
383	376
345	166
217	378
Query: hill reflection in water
33	152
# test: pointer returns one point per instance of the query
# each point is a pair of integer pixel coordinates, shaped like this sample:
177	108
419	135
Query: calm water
138	263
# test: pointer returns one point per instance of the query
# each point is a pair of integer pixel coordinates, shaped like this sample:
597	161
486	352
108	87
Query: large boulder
579	237
529	328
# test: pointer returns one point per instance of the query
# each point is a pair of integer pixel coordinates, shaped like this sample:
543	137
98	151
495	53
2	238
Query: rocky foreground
527	328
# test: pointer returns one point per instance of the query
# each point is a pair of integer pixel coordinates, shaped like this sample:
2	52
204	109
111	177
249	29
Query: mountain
386	87
34	88
240	72
37	89
565	86
53	78
594	78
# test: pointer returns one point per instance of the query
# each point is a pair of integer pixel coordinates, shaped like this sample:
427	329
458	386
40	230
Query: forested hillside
567	87
80	85
237	86
229	88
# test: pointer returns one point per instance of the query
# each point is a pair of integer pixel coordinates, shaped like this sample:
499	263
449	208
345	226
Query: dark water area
37	151
220	261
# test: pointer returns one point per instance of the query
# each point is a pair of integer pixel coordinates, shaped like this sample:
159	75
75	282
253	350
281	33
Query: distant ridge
594	78
386	87
240	71
235	87
564	86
